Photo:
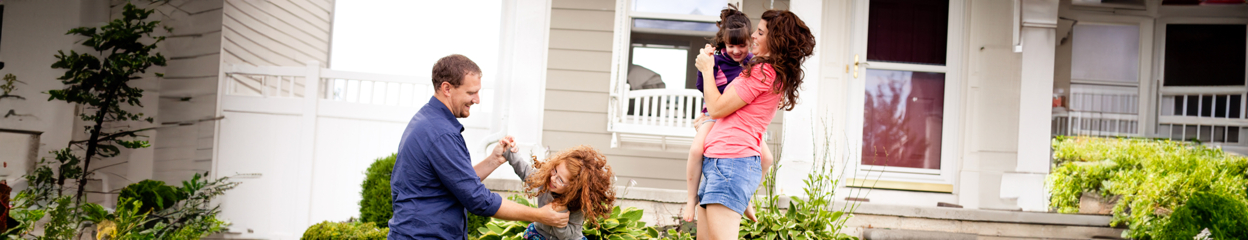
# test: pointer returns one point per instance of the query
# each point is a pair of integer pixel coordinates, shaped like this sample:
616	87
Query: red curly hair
590	187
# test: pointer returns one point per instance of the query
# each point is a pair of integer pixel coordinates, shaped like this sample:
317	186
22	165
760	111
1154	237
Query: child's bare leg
704	226
693	171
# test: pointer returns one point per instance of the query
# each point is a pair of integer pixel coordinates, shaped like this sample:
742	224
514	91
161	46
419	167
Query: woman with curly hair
577	180
731	164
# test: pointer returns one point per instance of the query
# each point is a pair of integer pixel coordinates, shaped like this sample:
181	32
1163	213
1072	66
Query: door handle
857	64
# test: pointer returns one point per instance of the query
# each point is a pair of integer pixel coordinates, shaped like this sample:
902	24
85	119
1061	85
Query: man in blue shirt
434	181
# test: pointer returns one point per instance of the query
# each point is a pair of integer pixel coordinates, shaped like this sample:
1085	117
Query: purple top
725	70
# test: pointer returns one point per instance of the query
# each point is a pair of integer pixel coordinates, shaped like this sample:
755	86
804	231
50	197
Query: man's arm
512	211
454	170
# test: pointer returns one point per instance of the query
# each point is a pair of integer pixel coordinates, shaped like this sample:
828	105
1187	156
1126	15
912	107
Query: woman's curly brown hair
789	42
590	189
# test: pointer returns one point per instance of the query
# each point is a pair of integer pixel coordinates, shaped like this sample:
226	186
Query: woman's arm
717	105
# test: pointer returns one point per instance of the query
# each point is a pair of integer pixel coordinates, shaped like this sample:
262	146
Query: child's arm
693	171
523	168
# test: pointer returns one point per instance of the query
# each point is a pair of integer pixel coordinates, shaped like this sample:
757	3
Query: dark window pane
1220	110
1205	134
1206	105
1219	134
1178	105
1205	54
907	31
903	119
1234	106
1193	106
1232	135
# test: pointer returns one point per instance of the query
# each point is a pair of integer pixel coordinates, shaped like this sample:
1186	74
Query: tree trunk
92	142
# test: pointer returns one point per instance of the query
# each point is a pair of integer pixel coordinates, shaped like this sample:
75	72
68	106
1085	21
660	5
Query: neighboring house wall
276	32
182	103
188	92
32	33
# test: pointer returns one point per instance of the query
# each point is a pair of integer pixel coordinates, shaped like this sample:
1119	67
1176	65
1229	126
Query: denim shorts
729	181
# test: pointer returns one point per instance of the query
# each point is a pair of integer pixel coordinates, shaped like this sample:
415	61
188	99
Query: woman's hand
706	60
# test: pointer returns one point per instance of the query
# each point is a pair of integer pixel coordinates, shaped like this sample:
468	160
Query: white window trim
619	93
1159	72
933	180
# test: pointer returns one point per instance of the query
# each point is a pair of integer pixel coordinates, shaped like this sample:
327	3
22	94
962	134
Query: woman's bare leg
724	223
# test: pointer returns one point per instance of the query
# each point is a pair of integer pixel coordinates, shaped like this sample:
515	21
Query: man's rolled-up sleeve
454	168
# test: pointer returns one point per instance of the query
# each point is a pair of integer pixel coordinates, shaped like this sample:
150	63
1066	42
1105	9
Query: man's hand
552	217
508	143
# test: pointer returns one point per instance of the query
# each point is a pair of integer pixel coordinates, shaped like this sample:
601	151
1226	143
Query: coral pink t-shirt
740	134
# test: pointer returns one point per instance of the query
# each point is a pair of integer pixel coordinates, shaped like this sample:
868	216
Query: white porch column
798	123
1038	40
521	92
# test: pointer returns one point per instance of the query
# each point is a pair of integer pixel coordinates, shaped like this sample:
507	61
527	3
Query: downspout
502	88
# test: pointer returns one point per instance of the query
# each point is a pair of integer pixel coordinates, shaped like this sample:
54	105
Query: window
1105	80
653	98
1203	80
904	51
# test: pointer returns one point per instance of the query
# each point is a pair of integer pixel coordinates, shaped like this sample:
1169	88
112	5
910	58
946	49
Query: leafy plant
153	194
375	191
1152	177
1224	217
101	82
345	230
813	217
621	224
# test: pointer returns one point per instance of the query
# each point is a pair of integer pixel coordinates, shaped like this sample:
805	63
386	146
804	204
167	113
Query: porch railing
655	116
1213	115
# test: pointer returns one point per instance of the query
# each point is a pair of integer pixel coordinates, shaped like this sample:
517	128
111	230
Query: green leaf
610	223
632	214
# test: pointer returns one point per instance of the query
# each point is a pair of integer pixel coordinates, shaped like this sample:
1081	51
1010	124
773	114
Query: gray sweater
575	219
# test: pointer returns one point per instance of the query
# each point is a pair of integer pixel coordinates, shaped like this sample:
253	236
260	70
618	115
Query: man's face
460	99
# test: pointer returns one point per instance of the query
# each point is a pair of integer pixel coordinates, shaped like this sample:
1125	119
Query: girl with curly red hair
576	180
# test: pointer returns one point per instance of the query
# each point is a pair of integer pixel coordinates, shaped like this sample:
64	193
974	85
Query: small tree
101	83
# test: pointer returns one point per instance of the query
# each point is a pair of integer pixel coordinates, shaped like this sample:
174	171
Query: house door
904	77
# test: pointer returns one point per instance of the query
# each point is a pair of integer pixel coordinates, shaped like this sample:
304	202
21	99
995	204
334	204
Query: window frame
941	180
621	53
1159	47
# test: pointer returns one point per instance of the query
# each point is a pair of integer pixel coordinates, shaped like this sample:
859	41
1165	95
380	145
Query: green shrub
153	194
345	230
1152	177
1225	218
375	204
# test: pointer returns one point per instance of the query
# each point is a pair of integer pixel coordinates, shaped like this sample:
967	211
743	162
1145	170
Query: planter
1093	203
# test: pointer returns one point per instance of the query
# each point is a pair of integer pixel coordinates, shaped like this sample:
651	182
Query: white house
946	108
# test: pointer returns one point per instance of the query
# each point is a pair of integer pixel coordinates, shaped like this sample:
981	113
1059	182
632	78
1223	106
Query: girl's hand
687	214
706	60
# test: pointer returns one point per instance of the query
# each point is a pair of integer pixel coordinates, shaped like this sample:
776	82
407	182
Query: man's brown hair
452	69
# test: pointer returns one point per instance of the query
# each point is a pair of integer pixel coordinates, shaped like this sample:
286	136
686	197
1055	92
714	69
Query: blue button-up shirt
433	181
